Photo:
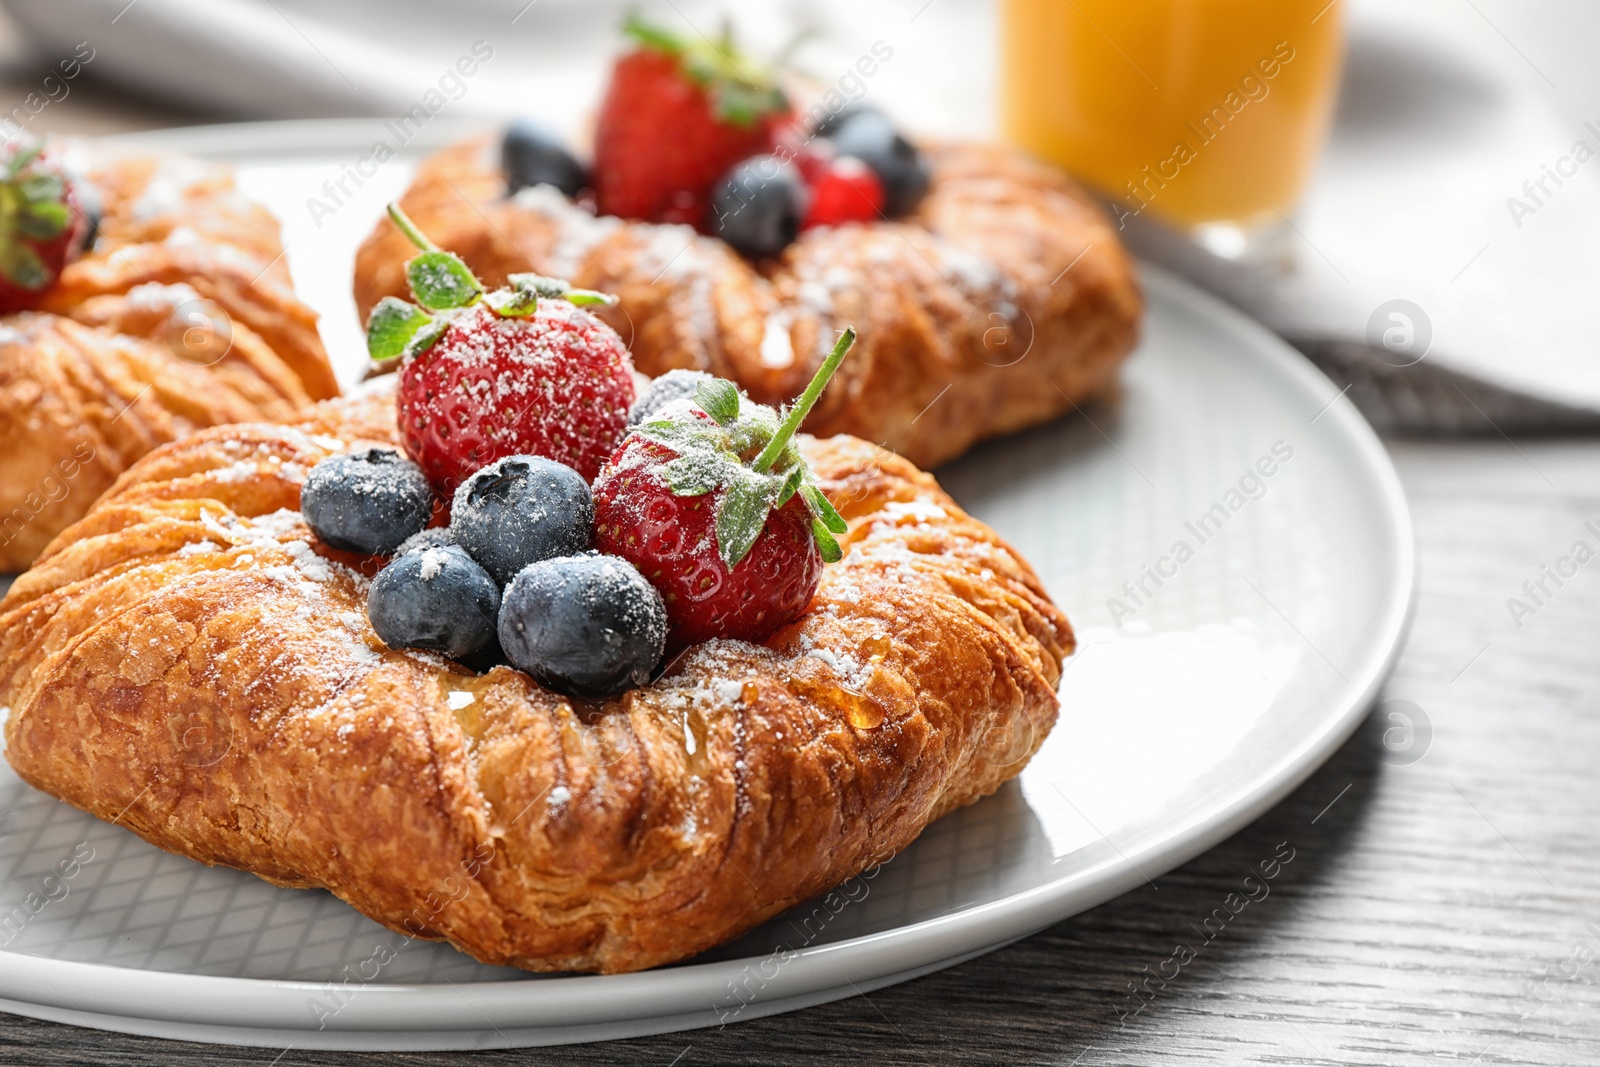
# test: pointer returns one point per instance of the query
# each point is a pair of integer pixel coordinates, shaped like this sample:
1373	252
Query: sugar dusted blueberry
436	599
673	385
368	501
588	626
520	510
433	537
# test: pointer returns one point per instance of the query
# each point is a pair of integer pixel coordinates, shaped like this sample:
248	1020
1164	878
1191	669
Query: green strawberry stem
653	36
742	90
409	228
802	406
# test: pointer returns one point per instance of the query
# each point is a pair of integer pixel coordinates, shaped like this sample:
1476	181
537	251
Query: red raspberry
42	223
717	509
845	190
677	116
519	371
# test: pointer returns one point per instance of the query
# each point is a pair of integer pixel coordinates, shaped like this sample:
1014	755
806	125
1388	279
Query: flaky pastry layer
180	317
188	660
1001	302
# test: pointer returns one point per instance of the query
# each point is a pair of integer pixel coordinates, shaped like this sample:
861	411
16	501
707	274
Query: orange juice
1201	111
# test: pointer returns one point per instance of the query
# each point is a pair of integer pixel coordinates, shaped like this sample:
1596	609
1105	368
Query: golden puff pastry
181	316
188	660
1003	300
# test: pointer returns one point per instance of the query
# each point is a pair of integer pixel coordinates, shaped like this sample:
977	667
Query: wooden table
1442	910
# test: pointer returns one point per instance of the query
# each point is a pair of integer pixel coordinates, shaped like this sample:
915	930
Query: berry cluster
695	132
703	522
512	576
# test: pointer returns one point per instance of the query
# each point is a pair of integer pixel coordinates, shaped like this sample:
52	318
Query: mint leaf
742	515
441	280
719	398
392	325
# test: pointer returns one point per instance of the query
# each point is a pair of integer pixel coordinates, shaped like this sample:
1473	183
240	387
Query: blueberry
673	385
532	155
758	206
366	501
433	537
588	626
437	599
521	510
871	137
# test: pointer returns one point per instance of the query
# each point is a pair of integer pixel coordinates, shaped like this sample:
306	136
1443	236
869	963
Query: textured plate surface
1227	536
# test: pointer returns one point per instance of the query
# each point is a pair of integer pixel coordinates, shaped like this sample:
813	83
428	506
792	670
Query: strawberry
715	506
523	370
42	223
844	190
676	117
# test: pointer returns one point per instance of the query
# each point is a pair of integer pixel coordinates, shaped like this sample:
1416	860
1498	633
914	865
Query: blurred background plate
1227	536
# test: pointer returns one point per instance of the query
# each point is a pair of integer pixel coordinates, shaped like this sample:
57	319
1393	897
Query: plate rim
399	1009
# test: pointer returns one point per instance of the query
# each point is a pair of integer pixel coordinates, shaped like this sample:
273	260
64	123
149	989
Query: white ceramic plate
1197	702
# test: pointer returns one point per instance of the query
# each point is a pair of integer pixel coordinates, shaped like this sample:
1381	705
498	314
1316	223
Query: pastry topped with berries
989	291
141	297
635	668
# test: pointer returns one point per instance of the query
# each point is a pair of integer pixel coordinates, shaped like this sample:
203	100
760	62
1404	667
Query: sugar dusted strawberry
715	506
677	115
518	371
42	222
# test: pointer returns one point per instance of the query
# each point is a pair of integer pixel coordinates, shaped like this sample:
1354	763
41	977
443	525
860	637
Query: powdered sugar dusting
433	561
579	233
777	350
168	190
160	297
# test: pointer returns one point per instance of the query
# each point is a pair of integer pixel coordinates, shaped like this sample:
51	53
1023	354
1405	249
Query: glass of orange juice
1206	113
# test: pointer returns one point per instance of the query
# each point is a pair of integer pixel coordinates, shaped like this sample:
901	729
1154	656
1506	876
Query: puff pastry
186	658
180	317
1001	302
